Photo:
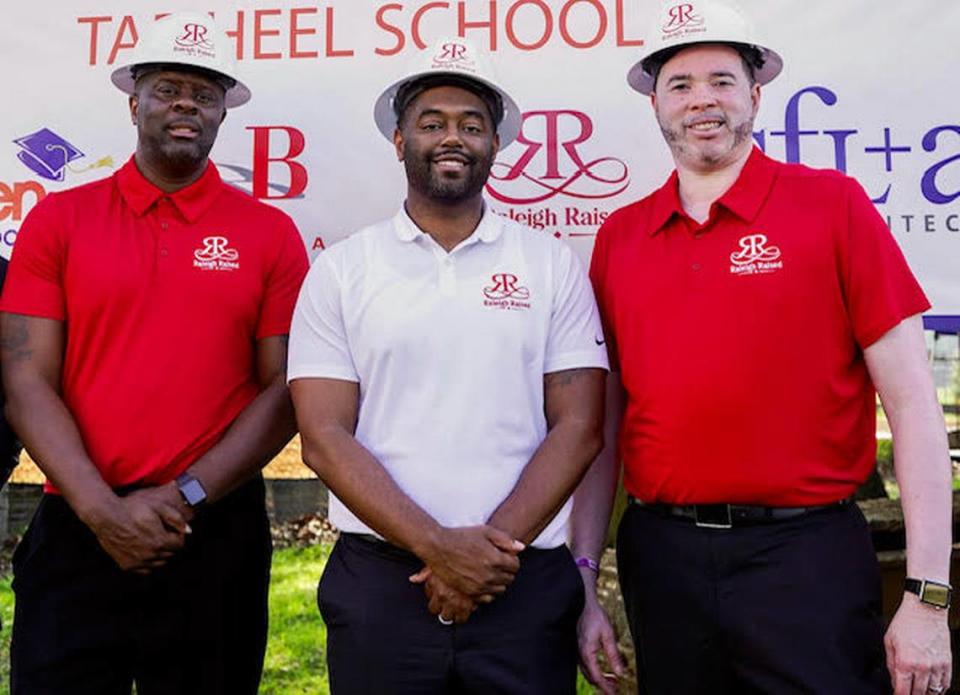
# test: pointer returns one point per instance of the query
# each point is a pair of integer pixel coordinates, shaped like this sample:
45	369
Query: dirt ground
287	465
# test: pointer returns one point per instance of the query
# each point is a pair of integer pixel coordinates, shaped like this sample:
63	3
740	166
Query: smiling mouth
706	127
452	163
183	131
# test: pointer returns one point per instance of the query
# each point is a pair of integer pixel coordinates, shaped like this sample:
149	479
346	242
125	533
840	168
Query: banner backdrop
870	88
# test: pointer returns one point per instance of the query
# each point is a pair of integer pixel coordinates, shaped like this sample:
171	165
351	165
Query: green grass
295	663
6	615
296	646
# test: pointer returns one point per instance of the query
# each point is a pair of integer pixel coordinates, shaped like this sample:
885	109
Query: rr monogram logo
451	52
754	248
194	35
215	249
681	16
505	287
610	174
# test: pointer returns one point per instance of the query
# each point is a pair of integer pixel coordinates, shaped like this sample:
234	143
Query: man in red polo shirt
144	344
754	309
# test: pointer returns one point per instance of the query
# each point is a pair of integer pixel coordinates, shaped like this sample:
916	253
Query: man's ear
398	143
134	104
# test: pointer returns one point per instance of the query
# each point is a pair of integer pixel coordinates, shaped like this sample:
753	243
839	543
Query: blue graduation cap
46	153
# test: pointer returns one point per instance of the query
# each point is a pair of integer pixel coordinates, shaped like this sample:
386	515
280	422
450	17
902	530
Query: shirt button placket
163	210
695	269
448	277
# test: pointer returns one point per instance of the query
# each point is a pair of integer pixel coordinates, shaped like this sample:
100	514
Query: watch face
193	492
936	594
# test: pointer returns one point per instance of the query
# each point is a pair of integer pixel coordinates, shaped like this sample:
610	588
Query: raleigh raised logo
453	55
506	292
553	165
755	257
681	16
194	41
194	35
215	255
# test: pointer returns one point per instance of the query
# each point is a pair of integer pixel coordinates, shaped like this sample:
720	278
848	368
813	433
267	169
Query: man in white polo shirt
447	370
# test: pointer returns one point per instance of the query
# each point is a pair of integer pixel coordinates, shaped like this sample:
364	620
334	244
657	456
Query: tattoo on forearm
565	378
15	339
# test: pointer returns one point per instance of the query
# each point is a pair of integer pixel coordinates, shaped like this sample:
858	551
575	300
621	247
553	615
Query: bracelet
584	561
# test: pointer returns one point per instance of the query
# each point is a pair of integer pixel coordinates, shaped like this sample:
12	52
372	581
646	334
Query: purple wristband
584	561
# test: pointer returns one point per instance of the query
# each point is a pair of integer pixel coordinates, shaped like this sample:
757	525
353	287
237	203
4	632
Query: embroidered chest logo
216	255
755	256
506	292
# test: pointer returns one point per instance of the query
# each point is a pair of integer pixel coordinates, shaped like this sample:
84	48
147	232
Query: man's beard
179	157
681	147
425	180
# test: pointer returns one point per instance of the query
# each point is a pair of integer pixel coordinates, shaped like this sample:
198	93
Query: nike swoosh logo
598	341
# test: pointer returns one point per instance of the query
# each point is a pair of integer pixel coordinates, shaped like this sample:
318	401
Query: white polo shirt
449	351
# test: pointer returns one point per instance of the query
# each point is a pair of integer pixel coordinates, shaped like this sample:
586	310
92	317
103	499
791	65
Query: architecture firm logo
49	155
755	256
506	292
552	163
216	255
681	17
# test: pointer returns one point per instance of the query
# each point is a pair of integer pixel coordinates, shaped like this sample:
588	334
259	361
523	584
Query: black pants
382	639
196	625
787	607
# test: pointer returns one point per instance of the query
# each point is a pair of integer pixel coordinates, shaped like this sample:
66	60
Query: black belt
730	515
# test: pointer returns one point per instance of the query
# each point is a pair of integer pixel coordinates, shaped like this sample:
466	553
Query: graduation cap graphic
46	153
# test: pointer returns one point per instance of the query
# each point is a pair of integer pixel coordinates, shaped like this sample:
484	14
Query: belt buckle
712	516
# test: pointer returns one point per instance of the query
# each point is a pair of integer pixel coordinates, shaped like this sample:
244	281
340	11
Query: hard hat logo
451	52
453	56
194	35
681	17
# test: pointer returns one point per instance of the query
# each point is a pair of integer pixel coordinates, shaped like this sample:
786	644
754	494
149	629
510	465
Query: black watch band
936	594
191	490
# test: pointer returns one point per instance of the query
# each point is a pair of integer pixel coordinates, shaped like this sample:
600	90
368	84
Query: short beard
678	145
179	159
421	177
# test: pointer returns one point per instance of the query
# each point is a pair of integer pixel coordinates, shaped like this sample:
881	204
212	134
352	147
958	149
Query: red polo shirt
164	297
740	341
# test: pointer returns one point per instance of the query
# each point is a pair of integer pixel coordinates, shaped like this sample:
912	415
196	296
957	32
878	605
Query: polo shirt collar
744	198
488	230
191	201
747	195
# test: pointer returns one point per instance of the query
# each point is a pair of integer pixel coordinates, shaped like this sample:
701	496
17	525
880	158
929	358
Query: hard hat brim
236	95
643	82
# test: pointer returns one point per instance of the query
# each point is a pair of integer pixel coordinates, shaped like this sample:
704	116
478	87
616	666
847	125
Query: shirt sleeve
283	282
575	339
881	290
34	285
318	336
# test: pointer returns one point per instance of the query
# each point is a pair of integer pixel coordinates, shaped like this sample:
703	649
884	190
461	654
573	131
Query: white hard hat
460	60
185	38
700	21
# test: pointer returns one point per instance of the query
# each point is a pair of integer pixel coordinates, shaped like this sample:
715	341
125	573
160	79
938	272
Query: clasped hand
465	567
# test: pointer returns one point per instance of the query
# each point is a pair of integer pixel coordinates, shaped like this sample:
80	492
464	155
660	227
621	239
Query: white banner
869	88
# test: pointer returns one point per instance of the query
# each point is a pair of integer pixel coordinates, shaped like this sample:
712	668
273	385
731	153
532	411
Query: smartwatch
930	592
191	490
